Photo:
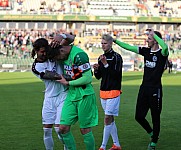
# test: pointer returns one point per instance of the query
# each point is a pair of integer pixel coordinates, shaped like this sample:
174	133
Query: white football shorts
111	106
52	109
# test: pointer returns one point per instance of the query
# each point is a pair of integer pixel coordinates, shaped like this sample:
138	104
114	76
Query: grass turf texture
21	100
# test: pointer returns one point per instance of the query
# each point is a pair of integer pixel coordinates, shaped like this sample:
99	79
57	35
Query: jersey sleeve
38	69
143	50
85	79
81	60
163	45
127	46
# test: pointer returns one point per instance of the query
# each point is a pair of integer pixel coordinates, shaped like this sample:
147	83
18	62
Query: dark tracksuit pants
149	98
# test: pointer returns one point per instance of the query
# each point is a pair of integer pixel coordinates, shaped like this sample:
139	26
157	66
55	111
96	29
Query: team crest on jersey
85	66
154	58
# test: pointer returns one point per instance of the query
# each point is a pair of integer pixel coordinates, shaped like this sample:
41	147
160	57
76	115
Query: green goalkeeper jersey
81	85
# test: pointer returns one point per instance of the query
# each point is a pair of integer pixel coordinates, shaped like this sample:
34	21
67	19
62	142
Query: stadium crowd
18	43
170	8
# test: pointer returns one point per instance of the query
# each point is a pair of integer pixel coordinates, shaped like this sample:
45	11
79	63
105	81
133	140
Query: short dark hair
39	43
54	52
158	34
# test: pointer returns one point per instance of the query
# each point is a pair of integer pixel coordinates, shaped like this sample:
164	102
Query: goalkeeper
80	104
150	92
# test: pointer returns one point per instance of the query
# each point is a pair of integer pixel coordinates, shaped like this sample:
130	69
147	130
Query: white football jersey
52	88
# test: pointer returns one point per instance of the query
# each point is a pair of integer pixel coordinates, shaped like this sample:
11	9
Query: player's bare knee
64	129
85	130
48	125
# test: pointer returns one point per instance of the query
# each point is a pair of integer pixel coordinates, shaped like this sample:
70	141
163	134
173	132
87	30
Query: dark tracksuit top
112	75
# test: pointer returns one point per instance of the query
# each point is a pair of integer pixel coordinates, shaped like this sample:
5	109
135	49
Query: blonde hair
107	37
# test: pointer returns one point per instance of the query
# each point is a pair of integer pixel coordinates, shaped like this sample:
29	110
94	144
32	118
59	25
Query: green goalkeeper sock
152	144
151	134
89	141
69	141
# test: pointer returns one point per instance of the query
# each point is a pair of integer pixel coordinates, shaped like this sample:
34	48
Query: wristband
107	65
64	36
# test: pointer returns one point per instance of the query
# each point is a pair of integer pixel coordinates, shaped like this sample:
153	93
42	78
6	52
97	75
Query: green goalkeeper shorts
84	111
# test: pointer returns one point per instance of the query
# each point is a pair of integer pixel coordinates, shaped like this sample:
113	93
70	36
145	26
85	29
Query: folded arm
49	75
85	79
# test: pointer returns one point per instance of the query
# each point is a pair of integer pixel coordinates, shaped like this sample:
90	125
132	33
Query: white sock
48	140
59	137
114	134
106	135
57	131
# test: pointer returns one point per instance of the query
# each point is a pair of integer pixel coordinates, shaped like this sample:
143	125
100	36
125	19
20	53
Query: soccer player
109	70
170	65
55	93
80	104
150	92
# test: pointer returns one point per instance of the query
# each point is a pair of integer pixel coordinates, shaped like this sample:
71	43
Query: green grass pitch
21	100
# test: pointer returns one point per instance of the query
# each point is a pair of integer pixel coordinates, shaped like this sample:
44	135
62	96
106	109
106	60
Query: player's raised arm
62	39
163	45
126	46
